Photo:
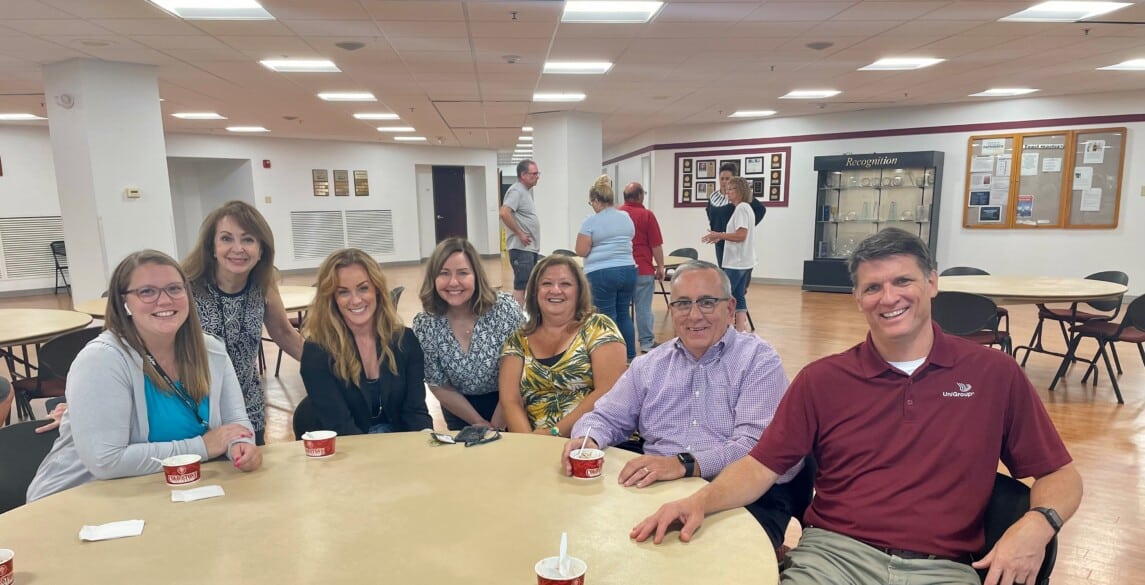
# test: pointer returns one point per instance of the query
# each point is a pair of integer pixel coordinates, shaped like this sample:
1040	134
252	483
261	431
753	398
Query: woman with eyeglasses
739	245
231	270
565	357
361	365
149	387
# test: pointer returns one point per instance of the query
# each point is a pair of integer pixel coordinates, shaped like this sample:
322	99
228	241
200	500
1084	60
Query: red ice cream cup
587	463
181	469
319	443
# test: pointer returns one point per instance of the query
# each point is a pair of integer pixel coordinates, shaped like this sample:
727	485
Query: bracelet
554	431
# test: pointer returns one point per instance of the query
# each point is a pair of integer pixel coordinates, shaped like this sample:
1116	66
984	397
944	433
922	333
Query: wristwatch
1051	517
688	462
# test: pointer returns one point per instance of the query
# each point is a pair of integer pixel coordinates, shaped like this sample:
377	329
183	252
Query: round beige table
294	298
1017	290
385	508
25	326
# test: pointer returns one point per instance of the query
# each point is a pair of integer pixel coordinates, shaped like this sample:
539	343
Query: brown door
449	202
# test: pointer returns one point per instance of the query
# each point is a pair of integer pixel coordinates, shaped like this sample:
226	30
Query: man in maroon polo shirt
648	252
907	428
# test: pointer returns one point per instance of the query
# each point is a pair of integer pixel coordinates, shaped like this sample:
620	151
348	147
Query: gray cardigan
104	433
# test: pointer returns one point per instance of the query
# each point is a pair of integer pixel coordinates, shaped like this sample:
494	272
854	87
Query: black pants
484	404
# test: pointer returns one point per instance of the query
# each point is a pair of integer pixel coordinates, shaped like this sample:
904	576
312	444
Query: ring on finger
646	470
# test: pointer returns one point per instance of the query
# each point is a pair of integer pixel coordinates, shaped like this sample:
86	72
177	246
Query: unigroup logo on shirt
964	391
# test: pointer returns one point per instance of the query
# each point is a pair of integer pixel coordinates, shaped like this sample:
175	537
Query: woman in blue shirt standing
605	242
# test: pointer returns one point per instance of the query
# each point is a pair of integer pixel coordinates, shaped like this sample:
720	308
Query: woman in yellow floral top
565	357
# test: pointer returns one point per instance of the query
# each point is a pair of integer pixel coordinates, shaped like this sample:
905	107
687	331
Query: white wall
28	186
200	185
785	238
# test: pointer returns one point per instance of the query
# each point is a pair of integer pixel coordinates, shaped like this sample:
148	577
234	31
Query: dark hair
201	263
731	168
523	167
484	296
635	194
891	242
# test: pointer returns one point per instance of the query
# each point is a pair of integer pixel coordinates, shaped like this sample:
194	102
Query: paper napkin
112	530
199	493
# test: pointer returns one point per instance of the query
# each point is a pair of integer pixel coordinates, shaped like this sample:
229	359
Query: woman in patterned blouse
462	330
565	357
232	274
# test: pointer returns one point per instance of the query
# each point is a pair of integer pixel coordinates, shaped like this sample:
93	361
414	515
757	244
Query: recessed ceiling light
1064	11
609	11
558	97
301	65
20	117
214	9
524	145
410	138
246	129
1003	92
577	67
526	128
395	129
1130	65
525	138
376	116
348	96
901	64
810	94
198	116
752	113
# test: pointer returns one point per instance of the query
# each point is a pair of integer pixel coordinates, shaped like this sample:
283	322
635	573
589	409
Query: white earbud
126	308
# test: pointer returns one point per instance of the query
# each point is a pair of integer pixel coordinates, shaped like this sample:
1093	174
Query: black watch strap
689	463
1051	516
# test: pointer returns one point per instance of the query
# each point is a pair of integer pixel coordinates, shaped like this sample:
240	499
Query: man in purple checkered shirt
700	401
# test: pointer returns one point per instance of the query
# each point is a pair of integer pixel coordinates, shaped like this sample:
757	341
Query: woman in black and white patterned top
462	330
231	271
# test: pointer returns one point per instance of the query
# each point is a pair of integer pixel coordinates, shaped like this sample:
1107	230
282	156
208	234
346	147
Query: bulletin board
766	170
1053	179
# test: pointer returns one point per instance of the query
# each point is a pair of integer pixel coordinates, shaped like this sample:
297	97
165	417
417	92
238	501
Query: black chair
56	357
970	316
692	253
1108	311
60	256
396	294
1131	329
21	451
1003	312
563	252
1009	501
305	419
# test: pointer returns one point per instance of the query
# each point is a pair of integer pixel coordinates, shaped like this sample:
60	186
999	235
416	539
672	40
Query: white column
107	137
568	148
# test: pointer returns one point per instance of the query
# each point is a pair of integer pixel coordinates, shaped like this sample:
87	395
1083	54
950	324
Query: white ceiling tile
869	10
692	12
526	12
431	30
100	9
512	30
325	28
254	28
797	11
326	9
415	10
408	44
148	27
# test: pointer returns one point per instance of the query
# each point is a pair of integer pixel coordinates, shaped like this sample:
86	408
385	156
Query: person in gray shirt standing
519	214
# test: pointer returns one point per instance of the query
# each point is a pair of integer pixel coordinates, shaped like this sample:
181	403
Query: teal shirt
168	417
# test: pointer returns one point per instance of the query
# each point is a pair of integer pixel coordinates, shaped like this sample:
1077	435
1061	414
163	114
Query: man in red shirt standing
907	428
647	248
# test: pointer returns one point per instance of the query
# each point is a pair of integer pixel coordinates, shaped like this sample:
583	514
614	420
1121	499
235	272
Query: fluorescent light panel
246	129
577	67
214	9
752	113
1003	92
1064	11
558	97
301	65
1130	65
376	116
810	94
901	64
526	128
525	138
610	11
395	129
410	138
348	96
524	145
19	117
198	116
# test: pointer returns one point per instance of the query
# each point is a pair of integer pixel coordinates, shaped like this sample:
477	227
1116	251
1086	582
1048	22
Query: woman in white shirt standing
739	247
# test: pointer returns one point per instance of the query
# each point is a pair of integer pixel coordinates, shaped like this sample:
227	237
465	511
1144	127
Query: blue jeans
642	300
612	290
379	428
739	280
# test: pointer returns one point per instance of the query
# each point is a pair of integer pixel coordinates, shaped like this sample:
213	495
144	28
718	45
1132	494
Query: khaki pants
826	557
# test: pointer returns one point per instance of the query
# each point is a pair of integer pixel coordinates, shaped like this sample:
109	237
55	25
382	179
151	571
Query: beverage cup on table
549	572
319	443
7	569
181	469
587	463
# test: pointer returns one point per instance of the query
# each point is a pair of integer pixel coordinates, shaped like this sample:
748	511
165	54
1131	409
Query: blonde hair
325	326
484	297
742	187
601	190
584	307
201	263
190	348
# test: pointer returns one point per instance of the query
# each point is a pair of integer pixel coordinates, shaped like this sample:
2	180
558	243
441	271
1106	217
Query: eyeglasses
706	305
150	294
536	174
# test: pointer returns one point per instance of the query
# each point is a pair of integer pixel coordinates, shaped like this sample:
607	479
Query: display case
858	195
